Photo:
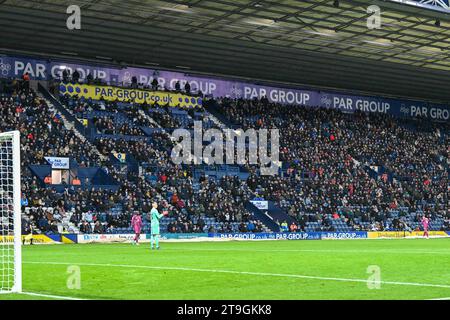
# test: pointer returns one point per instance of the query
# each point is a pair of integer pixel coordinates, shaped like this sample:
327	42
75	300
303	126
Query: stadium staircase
156	124
279	214
152	121
216	121
216	116
70	121
262	216
275	213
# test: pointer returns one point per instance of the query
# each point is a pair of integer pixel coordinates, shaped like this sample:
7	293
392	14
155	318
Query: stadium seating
341	172
368	164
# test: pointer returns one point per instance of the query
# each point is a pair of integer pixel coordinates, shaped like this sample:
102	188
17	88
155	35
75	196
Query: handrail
78	125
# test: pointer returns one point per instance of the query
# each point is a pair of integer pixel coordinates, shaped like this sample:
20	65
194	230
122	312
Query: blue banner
344	235
290	235
166	236
58	162
15	67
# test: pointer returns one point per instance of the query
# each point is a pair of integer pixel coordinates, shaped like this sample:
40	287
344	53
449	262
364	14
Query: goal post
10	214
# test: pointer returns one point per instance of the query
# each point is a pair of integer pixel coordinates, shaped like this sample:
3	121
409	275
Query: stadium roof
319	43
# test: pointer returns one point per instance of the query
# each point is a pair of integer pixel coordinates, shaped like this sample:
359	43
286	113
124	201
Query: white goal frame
17	216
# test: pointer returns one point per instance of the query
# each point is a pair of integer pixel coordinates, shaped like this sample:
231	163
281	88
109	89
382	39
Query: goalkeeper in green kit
155	217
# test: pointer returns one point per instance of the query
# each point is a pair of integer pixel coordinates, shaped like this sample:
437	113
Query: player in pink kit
136	223
425	222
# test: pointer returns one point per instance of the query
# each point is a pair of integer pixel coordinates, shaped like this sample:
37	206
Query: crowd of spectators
172	185
42	130
152	151
138	118
165	120
107	125
67	76
355	167
330	160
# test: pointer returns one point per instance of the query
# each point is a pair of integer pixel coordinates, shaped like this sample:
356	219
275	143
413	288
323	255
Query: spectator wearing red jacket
293	227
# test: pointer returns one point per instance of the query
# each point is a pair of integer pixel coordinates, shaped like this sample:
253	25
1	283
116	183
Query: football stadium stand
340	171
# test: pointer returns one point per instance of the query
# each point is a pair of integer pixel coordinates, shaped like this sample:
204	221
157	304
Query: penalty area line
265	274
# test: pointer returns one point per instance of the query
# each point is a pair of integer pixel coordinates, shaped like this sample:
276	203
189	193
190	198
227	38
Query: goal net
10	213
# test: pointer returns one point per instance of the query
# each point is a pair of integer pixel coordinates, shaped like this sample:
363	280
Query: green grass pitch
409	269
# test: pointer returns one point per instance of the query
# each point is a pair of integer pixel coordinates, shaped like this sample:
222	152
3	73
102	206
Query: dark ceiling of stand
298	42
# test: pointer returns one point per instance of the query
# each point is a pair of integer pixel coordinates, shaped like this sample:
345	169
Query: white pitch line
448	298
375	251
50	296
317	251
244	273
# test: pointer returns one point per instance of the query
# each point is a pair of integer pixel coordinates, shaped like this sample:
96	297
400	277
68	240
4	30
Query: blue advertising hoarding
344	235
165	236
290	235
